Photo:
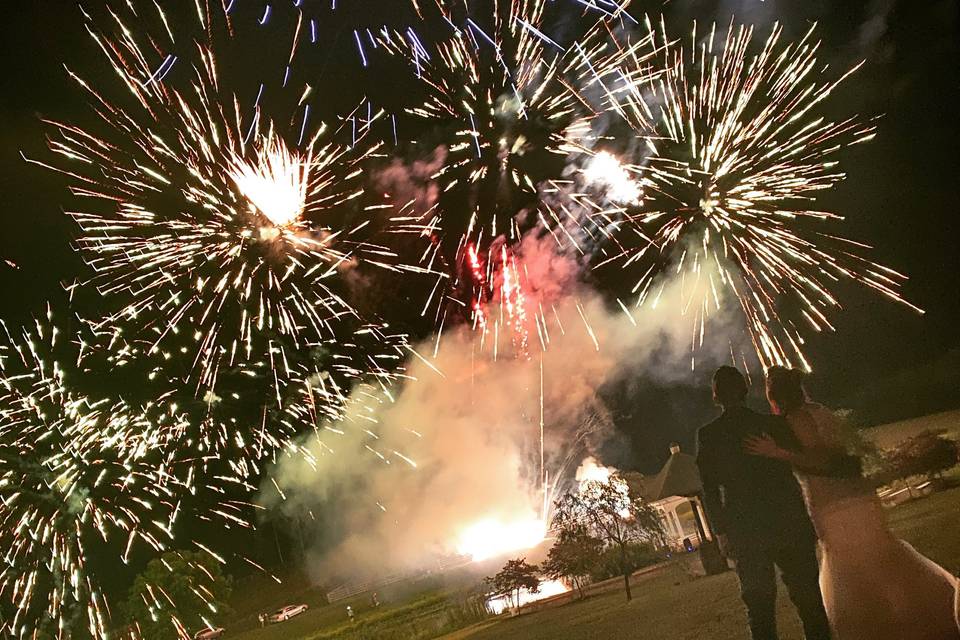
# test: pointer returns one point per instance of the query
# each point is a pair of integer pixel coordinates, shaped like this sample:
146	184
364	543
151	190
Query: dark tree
515	576
178	594
929	453
574	555
611	514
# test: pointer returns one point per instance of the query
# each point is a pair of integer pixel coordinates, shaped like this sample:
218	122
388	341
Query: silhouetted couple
774	485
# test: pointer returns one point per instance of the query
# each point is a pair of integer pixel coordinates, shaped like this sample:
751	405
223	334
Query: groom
758	514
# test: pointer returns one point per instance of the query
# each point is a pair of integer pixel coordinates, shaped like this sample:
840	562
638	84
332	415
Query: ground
670	606
678	606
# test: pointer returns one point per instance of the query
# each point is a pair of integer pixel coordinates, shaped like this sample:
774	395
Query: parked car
287	612
208	634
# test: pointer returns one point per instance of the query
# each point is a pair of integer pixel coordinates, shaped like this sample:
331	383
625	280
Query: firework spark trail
513	301
221	438
502	300
76	472
222	244
588	210
198	588
728	150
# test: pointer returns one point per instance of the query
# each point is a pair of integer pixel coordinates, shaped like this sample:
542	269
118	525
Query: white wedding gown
875	586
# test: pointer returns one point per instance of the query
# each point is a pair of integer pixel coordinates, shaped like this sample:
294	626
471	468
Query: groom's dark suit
757	504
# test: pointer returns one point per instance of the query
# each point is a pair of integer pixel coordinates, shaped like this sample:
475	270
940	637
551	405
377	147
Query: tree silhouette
929	453
608	511
574	555
178	594
515	576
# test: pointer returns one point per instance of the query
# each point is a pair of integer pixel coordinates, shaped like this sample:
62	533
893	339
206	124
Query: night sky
884	361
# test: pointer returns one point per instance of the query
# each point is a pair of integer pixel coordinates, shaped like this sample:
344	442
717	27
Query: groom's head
729	387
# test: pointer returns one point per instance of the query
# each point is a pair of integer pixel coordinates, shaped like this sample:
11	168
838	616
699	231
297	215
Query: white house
676	493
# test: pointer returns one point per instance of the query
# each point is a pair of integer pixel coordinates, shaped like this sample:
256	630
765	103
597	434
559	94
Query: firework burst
494	91
499	90
726	150
77	473
217	240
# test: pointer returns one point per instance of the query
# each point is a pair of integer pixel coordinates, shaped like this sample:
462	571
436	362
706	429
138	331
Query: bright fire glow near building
590	471
275	183
490	538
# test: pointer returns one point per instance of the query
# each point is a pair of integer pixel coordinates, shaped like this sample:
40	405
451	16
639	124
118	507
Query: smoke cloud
412	184
409	472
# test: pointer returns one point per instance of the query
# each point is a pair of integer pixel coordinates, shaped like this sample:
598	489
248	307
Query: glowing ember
490	538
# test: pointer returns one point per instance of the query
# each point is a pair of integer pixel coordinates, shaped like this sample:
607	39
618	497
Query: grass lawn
318	622
424	611
932	525
670	605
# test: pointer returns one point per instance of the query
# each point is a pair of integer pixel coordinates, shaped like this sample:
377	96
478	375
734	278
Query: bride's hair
785	387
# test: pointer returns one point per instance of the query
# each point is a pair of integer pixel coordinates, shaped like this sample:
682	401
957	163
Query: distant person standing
374	600
263	619
757	511
350	613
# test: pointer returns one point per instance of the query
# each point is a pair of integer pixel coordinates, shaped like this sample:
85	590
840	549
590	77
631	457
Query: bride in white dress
875	586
